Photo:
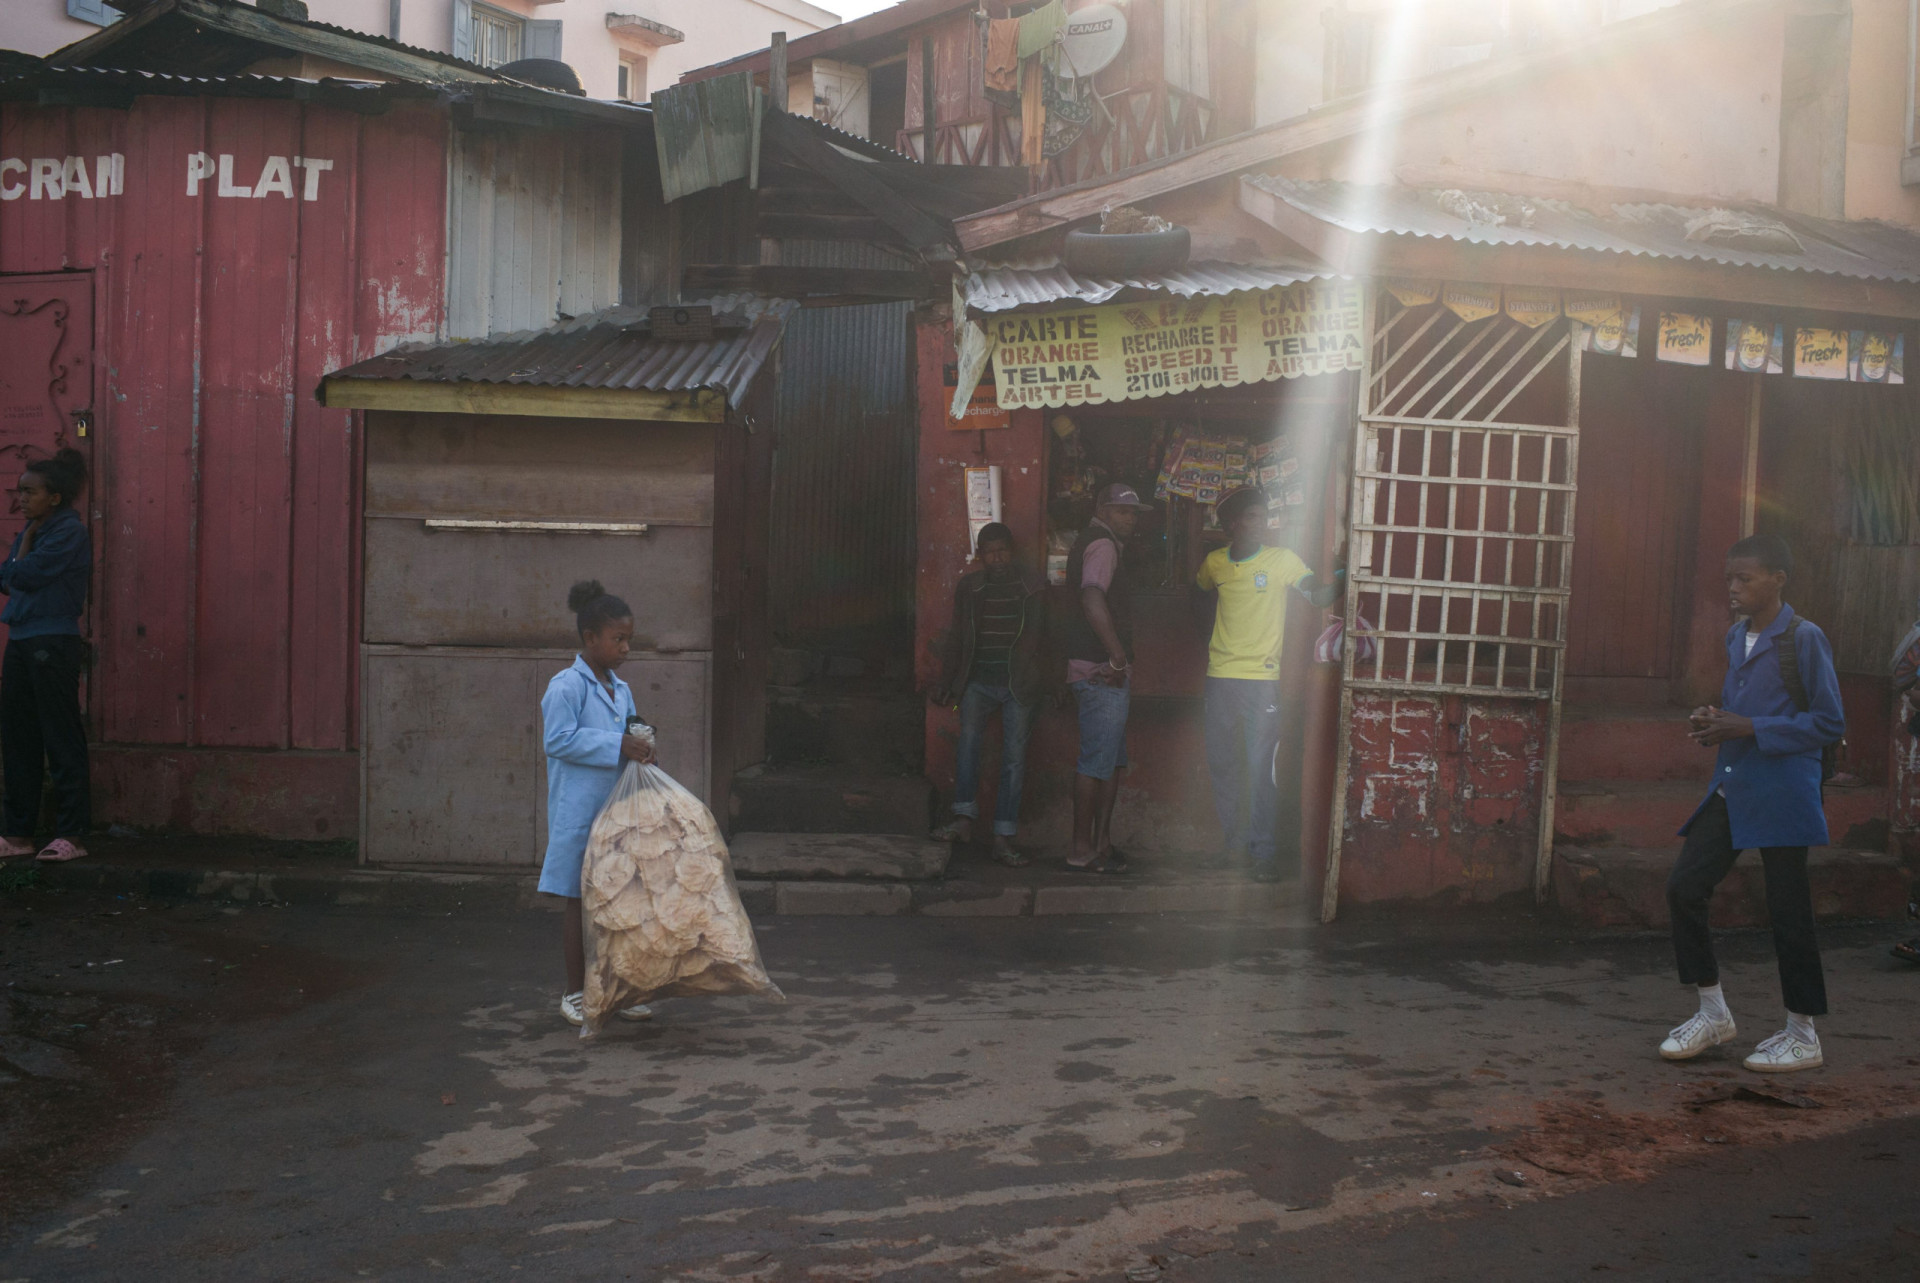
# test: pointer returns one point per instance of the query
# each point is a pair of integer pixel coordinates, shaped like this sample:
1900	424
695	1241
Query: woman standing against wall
45	581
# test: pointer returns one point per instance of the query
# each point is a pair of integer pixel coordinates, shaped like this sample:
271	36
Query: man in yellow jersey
1243	672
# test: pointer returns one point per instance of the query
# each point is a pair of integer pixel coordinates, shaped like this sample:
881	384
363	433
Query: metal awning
1739	236
604	365
1036	283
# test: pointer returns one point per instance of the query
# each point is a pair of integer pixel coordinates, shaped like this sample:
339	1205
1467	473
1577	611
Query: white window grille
1464	475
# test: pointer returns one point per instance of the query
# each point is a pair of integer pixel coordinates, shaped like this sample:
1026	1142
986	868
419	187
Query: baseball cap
1121	495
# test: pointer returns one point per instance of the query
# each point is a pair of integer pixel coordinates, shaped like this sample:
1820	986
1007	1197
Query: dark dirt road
209	1093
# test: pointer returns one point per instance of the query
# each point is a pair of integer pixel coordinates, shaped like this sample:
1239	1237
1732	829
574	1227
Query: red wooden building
181	259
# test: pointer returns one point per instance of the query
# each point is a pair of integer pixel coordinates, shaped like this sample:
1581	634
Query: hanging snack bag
659	908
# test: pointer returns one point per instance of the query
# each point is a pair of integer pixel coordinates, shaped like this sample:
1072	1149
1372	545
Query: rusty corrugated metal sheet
609	349
1003	287
534	229
704	134
1857	248
843	473
227	553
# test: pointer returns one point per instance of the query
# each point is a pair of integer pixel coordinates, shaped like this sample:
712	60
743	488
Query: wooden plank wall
227	546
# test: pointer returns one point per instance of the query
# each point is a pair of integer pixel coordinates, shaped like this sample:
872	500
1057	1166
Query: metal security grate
1466	459
1464	475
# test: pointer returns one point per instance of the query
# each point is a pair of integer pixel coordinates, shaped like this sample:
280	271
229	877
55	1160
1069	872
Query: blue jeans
1016	721
1103	728
1243	730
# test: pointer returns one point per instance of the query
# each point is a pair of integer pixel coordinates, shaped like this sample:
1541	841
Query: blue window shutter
463	29
542	39
92	11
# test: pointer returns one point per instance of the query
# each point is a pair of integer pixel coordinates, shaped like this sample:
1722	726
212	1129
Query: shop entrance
1185	452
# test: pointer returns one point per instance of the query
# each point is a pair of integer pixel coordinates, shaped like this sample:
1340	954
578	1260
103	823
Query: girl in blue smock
586	713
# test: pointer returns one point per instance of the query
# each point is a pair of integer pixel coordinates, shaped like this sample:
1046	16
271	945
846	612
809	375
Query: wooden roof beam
698	406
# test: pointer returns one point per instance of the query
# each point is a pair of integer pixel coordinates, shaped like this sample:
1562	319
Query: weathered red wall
1443	797
225	501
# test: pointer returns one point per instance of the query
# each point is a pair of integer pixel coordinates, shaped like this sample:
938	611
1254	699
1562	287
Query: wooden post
777	72
926	97
1750	469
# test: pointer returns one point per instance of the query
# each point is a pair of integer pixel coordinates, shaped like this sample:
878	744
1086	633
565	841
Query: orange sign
983	409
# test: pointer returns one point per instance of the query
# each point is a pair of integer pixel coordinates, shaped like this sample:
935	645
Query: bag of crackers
659	908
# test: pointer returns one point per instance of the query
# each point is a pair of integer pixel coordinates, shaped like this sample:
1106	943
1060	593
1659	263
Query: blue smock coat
583	732
1772	780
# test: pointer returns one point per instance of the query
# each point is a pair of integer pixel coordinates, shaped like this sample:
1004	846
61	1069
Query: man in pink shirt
1099	649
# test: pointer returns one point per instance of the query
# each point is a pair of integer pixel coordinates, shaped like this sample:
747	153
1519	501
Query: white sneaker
573	1007
1783	1054
1700	1032
638	1011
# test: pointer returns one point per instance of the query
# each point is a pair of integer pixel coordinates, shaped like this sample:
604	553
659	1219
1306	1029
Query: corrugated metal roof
1002	287
601	350
1742	236
67	86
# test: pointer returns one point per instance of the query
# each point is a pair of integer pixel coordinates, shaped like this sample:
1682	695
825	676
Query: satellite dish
1094	37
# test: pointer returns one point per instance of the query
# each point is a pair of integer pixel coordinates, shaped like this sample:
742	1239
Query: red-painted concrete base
1626	887
1642	814
304	796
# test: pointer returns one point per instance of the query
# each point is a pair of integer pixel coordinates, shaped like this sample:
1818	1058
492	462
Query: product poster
1685	338
1820	353
1471	302
1414	293
1533	306
1876	357
1128	351
1754	347
1605	326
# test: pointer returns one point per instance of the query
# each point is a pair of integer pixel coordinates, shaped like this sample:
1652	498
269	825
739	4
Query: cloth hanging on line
1040	29
1069	110
1033	113
1003	56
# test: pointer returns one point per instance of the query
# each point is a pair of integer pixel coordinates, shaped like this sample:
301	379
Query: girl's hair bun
582	594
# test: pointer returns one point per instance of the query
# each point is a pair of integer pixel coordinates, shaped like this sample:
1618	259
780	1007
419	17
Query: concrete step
1629	742
1648	814
1627	886
894	857
815	799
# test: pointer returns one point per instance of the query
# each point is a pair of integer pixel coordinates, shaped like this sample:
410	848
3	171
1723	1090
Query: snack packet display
659	908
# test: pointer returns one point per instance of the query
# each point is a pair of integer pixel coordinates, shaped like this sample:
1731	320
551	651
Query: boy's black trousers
41	728
1704	861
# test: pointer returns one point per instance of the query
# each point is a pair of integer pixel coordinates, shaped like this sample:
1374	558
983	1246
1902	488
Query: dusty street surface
198	1092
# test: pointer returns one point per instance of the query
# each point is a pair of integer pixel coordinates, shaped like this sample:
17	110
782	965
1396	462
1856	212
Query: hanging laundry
1003	56
1069	110
1040	29
1033	113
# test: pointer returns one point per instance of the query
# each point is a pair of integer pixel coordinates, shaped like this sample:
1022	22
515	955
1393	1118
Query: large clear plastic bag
659	908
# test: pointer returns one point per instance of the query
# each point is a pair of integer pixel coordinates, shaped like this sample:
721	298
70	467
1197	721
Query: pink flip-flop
60	850
11	848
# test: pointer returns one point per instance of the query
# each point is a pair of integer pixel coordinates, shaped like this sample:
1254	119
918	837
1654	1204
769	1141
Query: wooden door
46	377
1633	530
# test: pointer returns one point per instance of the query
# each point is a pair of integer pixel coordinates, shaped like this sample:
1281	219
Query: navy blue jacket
1773	779
47	589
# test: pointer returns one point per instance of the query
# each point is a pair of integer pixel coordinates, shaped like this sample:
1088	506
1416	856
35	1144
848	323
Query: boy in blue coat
1776	716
